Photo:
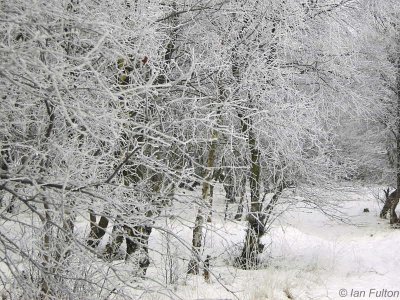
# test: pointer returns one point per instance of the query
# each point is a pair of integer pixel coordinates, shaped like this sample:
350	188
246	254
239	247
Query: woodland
135	134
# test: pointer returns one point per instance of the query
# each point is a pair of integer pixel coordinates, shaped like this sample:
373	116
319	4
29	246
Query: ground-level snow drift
309	255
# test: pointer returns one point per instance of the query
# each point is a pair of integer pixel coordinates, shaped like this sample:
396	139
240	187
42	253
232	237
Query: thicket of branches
108	109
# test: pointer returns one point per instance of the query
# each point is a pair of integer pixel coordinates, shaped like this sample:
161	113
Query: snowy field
308	255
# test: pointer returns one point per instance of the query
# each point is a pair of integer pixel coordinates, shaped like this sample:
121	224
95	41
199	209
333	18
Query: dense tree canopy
109	109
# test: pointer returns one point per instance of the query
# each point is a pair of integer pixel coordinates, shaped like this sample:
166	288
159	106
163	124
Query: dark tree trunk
385	209
393	199
252	246
97	231
206	272
138	238
193	266
239	212
117	238
386	206
393	216
229	187
390	205
210	203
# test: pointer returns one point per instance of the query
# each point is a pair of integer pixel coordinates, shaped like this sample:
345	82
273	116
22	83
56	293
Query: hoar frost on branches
108	108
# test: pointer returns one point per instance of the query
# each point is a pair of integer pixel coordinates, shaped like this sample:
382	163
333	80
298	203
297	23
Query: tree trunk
393	216
386	206
65	237
252	246
193	266
391	203
210	203
138	238
385	209
97	231
239	212
116	240
267	212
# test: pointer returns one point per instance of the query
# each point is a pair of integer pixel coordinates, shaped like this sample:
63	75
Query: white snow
309	255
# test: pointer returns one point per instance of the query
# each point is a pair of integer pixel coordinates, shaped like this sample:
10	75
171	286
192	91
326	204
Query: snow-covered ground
309	255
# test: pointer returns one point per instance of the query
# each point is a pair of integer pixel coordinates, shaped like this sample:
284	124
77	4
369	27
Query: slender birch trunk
206	192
